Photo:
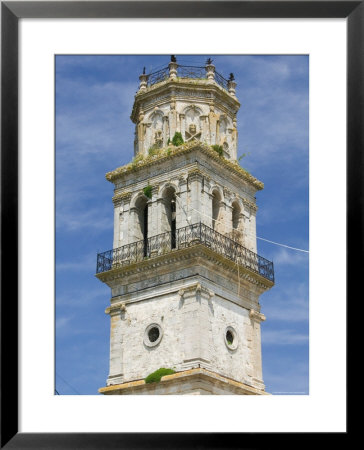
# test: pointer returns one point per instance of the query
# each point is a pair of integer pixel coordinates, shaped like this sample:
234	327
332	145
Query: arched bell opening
235	222
216	200
142	222
235	216
169	198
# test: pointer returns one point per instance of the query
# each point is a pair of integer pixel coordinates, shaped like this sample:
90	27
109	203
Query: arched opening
142	222
216	199
235	222
170	211
235	216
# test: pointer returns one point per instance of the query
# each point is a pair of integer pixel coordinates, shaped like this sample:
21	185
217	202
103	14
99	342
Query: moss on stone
148	191
155	377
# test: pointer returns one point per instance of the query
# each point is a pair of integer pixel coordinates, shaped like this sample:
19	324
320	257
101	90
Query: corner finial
173	58
143	70
231	78
209	61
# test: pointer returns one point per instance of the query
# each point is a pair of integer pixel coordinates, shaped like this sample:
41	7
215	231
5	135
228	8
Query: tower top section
194	102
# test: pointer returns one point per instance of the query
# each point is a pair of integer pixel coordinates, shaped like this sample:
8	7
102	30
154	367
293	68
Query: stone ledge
193	381
198	251
184	149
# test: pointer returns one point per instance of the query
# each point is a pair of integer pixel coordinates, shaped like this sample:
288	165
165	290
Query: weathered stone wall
193	315
198	109
194	180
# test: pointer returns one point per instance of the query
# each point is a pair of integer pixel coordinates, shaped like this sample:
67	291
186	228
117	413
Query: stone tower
184	272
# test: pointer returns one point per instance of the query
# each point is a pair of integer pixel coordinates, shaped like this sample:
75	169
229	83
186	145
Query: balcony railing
188	236
198	72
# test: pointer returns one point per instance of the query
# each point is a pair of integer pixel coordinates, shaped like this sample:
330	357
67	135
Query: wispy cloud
97	295
87	263
290	257
284	337
83	220
287	377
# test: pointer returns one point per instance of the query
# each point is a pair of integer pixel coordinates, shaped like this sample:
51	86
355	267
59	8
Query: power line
283	245
262	239
68	384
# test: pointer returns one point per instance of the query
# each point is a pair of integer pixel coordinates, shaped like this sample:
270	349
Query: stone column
116	344
213	118
197	332
141	132
165	131
118	219
194	182
153	213
204	128
228	212
181	203
256	318
250	231
234	139
121	216
182	125
172	118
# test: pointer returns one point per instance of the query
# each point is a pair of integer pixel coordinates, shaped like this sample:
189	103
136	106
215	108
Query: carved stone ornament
257	316
192	133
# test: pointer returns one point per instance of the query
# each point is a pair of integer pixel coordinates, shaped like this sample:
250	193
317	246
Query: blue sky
94	134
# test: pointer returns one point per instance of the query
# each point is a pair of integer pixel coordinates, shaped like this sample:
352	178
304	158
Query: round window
231	339
153	335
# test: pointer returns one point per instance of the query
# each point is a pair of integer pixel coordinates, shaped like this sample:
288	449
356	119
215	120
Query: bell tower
184	272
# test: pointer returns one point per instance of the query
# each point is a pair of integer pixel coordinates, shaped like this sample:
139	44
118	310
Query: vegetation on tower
156	376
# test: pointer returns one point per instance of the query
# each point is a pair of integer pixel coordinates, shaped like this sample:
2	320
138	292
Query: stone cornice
199	251
172	88
200	374
124	196
250	205
171	152
194	289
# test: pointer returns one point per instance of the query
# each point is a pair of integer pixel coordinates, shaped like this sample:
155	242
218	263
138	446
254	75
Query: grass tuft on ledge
156	376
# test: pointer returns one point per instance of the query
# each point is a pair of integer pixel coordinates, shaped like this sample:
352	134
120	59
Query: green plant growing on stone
148	191
243	156
136	160
218	149
156	376
177	139
153	150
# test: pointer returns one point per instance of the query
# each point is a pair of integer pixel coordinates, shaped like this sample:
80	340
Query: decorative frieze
123	197
250	204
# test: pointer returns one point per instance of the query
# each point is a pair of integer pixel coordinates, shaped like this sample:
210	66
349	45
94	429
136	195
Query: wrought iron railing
188	236
158	76
191	71
185	72
223	82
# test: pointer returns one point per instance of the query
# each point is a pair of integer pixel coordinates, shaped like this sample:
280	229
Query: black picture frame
11	12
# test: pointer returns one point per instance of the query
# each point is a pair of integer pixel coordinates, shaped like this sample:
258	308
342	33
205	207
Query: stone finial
210	70
173	67
143	81
232	85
